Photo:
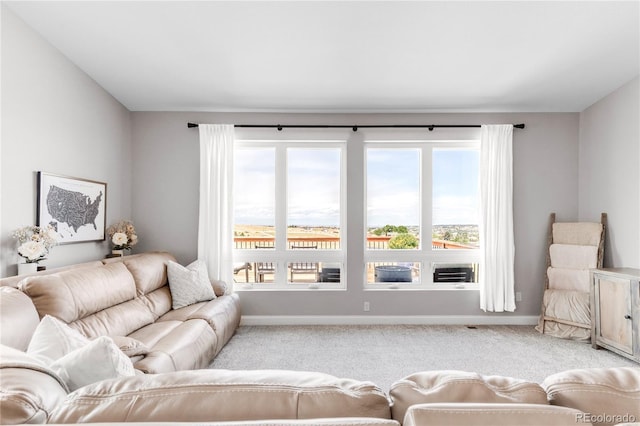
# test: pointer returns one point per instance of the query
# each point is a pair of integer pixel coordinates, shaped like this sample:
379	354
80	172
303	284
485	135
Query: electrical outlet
366	306
518	296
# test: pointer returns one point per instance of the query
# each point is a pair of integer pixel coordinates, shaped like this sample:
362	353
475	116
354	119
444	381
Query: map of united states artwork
74	207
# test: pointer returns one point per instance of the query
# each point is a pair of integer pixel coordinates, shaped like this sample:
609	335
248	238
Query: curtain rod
356	127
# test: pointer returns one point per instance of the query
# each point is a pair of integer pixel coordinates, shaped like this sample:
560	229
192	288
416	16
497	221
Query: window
415	202
422	214
288	214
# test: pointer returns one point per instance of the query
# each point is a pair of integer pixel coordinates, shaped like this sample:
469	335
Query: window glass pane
304	272
254	272
393	272
313	198
254	198
451	273
393	198
455	199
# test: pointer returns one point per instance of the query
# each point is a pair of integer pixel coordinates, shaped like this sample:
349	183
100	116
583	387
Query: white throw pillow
53	339
100	359
190	284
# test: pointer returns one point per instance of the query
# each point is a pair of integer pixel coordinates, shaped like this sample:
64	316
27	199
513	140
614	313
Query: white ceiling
347	56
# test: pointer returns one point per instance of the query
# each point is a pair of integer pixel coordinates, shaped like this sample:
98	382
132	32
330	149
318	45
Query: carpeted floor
386	353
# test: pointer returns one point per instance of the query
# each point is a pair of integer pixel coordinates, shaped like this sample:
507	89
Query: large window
422	214
288	214
413	206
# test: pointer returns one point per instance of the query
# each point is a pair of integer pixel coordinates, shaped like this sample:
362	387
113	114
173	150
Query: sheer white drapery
215	226
496	223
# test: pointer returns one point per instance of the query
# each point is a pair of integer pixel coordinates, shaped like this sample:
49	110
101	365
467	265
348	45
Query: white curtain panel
215	227
496	223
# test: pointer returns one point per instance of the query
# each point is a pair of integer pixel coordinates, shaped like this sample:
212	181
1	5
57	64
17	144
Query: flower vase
117	252
27	268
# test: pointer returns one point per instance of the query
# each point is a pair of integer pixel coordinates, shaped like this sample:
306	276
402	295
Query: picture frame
75	207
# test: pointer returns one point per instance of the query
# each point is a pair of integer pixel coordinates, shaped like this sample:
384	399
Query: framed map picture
75	207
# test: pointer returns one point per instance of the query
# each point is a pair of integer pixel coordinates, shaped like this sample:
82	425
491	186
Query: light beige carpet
383	354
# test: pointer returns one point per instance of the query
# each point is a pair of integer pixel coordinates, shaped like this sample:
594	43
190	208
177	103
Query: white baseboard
388	320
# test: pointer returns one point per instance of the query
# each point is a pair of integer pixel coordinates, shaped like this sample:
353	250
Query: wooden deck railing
333	243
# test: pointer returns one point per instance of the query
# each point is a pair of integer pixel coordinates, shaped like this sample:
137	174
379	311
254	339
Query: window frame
281	254
425	255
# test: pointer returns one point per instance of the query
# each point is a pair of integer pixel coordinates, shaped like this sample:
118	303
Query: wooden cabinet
615	305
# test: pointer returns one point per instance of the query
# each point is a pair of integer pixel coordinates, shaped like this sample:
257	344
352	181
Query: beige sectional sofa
128	300
125	297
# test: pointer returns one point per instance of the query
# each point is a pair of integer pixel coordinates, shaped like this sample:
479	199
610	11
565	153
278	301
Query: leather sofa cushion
16	308
158	301
149	270
176	345
77	293
607	394
118	320
223	395
446	386
29	391
464	414
222	314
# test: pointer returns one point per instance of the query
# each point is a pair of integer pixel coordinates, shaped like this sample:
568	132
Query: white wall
165	205
55	119
610	173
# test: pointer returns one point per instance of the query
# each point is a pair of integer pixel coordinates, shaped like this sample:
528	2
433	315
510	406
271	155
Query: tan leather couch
123	297
94	300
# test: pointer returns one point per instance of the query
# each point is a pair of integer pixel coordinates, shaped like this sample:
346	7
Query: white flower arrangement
122	235
35	242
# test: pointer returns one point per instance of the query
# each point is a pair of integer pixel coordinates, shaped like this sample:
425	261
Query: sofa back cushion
98	301
223	395
444	386
18	318
149	271
609	395
29	391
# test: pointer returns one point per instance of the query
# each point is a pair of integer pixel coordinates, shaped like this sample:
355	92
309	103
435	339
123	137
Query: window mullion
281	214
426	217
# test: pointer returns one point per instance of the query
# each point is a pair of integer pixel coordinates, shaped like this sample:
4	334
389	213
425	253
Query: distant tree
403	241
378	232
388	229
402	229
447	236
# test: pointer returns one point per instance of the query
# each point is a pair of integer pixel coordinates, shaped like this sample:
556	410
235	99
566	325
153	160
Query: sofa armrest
29	391
492	414
219	287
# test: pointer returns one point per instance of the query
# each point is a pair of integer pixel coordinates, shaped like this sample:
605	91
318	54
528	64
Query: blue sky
393	186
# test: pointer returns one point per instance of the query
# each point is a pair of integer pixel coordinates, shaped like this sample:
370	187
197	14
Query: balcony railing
242	274
333	243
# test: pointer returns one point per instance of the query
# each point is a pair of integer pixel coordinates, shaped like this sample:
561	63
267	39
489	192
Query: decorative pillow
130	346
53	339
190	284
99	360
